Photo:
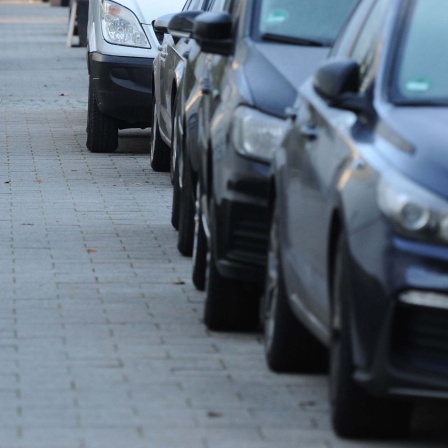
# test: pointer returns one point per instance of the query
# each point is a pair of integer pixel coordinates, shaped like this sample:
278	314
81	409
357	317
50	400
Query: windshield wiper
292	40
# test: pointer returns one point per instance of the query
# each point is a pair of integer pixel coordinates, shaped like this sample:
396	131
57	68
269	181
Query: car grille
248	240
420	339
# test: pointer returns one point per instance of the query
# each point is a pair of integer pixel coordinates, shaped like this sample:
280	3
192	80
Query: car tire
175	170
354	412
230	305
102	130
174	142
199	250
288	345
160	154
176	198
186	212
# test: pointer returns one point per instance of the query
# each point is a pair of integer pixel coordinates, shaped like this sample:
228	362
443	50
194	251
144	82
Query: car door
199	94
172	52
215	68
325	146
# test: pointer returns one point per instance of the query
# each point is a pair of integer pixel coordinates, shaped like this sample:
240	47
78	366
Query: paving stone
101	335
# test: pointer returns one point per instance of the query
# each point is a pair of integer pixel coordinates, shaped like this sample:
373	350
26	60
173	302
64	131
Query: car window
422	68
217	5
368	42
317	20
347	37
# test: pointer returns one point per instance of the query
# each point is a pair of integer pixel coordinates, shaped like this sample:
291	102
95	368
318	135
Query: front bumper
123	87
400	348
242	218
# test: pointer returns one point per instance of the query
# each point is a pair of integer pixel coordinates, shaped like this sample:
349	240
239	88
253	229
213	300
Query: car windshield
304	22
421	71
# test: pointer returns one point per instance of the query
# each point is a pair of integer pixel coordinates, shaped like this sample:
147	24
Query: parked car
121	49
181	26
359	242
168	69
257	56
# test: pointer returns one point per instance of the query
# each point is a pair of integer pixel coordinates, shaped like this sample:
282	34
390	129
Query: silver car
168	71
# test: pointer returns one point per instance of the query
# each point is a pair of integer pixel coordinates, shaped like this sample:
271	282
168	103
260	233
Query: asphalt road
101	339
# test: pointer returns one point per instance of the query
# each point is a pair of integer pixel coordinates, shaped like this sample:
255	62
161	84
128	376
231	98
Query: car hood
148	10
276	71
420	134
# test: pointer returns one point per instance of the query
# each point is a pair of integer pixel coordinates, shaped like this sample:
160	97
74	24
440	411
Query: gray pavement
101	340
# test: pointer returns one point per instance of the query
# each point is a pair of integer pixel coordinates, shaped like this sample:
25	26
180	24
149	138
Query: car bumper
400	345
123	87
242	219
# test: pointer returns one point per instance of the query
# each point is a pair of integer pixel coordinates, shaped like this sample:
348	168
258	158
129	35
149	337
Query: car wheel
174	142
102	130
199	248
354	412
160	152
230	305
186	212
289	347
176	198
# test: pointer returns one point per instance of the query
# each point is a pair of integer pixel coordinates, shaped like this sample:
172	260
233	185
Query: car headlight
121	27
256	134
415	210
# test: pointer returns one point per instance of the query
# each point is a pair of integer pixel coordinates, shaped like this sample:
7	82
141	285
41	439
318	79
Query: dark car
359	235
168	70
181	26
257	56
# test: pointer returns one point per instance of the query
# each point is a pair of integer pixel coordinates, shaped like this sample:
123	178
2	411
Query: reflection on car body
358	249
256	55
168	70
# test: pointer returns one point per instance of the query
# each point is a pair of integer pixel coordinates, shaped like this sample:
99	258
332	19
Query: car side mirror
337	82
181	24
160	24
213	33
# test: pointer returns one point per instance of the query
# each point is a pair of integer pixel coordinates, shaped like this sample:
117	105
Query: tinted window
422	69
317	20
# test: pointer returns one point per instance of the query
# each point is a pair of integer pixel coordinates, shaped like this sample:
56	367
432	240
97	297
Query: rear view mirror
335	78
181	24
337	82
160	25
213	32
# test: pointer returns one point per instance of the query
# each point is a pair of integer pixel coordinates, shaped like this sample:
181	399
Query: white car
122	45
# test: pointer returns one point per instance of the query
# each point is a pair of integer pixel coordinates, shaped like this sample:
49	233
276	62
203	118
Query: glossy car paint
326	183
190	88
262	75
169	66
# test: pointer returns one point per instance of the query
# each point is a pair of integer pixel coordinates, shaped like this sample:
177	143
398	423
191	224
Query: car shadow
134	141
430	422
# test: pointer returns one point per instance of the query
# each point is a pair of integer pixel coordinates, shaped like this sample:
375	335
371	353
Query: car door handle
309	131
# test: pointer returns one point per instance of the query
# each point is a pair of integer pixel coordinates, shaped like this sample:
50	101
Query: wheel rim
271	289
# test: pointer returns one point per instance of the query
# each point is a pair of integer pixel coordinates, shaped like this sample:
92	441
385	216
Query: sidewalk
101	340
